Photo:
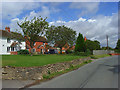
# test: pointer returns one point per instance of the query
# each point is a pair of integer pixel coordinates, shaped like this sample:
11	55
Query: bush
69	51
88	52
80	53
117	50
23	52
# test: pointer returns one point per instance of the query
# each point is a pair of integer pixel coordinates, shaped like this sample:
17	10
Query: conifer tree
80	44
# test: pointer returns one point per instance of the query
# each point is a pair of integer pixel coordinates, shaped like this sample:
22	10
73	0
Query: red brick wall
36	46
14	53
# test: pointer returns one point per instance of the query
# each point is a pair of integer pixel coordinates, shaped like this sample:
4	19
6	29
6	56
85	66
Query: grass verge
37	60
99	56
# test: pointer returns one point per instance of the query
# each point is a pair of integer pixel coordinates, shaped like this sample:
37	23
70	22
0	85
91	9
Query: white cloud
95	29
81	19
86	7
12	9
44	12
91	20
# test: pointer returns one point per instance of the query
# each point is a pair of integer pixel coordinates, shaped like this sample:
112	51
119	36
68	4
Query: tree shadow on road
114	68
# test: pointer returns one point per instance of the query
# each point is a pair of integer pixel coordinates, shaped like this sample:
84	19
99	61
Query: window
19	41
8	40
12	48
8	49
27	47
34	43
43	43
33	49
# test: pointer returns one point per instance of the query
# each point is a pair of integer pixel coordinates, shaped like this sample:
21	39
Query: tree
105	48
93	45
60	35
118	44
32	29
80	44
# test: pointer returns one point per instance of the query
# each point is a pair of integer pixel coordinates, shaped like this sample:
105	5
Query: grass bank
37	60
40	60
99	56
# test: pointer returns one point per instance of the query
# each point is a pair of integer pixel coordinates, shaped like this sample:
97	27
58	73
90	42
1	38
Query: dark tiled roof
4	33
18	36
12	35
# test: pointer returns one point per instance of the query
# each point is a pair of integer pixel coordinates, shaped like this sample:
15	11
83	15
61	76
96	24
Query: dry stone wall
36	73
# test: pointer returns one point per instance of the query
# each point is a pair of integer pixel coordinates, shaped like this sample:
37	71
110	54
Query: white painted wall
4	44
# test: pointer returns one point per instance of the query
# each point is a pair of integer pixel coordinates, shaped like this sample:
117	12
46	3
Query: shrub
68	51
23	52
46	76
48	72
88	52
117	50
93	57
80	53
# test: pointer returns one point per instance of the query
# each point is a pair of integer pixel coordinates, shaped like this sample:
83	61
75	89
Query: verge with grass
37	60
99	56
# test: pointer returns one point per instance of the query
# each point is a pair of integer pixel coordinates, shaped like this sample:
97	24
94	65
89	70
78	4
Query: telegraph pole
107	41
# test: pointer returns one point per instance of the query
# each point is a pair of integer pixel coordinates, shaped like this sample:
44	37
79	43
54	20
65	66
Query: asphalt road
102	73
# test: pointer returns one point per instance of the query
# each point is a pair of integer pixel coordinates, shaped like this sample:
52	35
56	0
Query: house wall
22	45
4	44
36	45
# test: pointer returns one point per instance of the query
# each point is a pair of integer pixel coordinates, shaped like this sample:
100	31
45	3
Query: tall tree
33	28
93	45
118	44
60	35
80	44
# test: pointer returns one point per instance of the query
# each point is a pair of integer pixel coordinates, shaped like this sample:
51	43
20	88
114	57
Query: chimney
85	38
7	29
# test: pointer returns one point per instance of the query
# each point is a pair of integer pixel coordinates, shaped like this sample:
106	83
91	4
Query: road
102	73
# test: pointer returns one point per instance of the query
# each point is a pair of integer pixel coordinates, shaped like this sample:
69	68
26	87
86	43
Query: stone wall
99	52
36	73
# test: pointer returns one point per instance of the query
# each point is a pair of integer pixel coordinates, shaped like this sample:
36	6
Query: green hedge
23	52
87	53
69	51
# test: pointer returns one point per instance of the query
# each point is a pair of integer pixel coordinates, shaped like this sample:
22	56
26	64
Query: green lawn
39	60
99	56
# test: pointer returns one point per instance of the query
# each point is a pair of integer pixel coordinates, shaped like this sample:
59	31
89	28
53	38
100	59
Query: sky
94	20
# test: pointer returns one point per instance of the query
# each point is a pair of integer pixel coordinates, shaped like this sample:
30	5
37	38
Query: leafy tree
93	45
60	35
80	44
105	48
118	44
32	29
96	45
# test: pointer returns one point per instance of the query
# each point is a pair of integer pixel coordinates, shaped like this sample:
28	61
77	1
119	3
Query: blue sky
89	18
65	12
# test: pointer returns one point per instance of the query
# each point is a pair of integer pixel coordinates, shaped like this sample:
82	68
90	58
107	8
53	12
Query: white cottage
10	42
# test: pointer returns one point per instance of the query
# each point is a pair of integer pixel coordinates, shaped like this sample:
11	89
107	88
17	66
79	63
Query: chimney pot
7	29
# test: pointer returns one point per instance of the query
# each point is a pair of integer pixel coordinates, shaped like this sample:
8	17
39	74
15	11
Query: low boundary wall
36	73
99	52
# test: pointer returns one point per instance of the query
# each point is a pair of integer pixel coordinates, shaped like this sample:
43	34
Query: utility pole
107	41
